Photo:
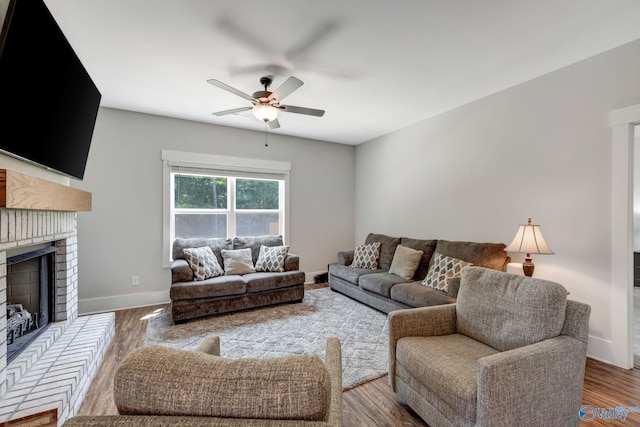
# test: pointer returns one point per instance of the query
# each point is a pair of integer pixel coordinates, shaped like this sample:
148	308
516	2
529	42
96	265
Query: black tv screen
48	101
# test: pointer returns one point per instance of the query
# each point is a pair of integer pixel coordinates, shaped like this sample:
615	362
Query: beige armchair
510	352
161	386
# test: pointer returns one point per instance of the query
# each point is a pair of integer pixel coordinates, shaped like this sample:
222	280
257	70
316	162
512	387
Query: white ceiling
375	66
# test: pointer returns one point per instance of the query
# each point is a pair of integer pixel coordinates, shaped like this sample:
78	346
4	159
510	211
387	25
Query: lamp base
527	266
528	269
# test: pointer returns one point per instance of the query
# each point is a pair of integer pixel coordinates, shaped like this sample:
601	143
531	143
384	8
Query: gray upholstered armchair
161	386
510	352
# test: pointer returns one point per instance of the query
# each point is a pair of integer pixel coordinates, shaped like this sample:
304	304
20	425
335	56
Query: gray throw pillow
405	262
237	261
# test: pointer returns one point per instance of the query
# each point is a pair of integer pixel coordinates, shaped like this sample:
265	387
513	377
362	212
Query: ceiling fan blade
230	89
313	38
302	110
232	111
244	36
286	88
274	124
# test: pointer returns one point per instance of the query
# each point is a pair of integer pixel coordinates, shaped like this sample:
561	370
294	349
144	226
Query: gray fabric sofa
159	386
510	352
386	292
198	298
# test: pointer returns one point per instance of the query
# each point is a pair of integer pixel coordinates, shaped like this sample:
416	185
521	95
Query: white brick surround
56	369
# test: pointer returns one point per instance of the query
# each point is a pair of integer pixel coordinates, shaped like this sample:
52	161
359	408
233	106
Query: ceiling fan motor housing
262	95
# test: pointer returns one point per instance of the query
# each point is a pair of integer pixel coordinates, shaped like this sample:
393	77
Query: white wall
122	236
541	149
636	190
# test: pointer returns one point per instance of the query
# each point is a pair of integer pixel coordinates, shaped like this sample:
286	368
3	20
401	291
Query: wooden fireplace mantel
20	191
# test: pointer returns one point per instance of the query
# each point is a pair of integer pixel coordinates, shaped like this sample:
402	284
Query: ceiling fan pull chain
266	129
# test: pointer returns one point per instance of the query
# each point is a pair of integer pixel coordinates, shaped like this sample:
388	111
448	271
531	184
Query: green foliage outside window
200	192
257	194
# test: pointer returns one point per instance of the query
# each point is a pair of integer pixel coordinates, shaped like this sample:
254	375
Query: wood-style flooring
370	404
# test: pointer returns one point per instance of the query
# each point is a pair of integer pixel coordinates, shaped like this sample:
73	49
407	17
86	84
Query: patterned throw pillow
443	269
203	262
271	258
366	256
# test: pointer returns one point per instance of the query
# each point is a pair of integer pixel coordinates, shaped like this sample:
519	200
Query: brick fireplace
55	370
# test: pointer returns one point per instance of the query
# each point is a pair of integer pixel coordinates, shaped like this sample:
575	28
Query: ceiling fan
266	105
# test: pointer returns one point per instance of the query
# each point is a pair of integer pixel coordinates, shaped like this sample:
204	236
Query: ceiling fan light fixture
266	113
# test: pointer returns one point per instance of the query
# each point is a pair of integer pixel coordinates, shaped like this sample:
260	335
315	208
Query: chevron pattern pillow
271	258
203	262
366	256
442	270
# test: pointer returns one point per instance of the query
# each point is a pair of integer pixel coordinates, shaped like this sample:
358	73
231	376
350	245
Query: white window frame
261	169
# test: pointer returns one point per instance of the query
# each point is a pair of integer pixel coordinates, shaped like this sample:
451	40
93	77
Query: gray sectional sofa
387	292
225	293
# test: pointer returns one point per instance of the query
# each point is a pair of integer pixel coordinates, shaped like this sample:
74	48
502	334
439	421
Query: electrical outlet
135	280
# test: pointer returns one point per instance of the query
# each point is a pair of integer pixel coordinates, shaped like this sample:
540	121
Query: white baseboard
600	349
119	302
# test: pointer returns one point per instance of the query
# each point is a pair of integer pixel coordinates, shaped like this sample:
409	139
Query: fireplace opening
30	297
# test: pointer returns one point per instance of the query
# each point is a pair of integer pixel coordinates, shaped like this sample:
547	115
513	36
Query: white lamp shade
529	240
266	113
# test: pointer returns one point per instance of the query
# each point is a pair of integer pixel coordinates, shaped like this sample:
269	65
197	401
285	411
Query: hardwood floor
371	404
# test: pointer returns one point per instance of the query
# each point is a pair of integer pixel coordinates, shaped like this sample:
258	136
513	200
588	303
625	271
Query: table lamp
529	241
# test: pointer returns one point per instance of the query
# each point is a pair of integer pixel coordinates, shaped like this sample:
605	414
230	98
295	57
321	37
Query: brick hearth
55	371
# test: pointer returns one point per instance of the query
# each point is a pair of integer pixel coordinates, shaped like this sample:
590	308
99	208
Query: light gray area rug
286	329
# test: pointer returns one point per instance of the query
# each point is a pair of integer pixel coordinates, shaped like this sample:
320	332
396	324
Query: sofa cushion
293	387
387	248
215	287
216	245
405	262
271	258
350	274
415	294
255	242
490	255
266	281
442	269
237	261
203	262
447	366
427	247
508	311
380	283
366	256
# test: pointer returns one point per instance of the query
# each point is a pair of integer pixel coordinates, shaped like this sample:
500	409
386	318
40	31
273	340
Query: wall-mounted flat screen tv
48	101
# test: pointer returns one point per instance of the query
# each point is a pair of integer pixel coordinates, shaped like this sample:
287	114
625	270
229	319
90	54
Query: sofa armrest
210	345
180	271
421	322
345	257
333	363
537	384
158	380
291	262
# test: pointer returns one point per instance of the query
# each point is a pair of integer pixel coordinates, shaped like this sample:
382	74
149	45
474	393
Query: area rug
286	329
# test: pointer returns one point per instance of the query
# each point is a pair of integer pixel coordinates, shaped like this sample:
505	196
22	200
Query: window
225	206
215	196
